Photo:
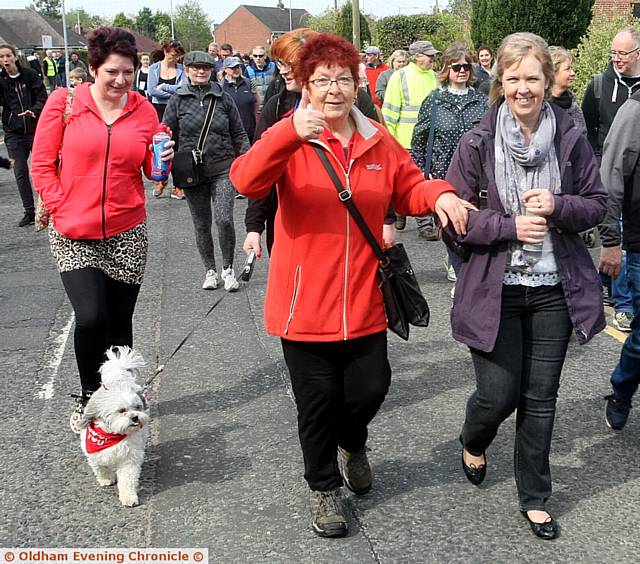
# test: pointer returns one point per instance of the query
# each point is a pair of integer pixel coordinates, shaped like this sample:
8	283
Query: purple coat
581	204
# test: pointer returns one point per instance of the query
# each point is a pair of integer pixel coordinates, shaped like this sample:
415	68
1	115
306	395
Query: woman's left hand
539	202
451	208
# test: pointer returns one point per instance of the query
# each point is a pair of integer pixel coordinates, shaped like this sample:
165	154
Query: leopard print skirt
121	257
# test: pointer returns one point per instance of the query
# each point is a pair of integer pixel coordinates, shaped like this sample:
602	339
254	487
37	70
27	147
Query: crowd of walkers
490	152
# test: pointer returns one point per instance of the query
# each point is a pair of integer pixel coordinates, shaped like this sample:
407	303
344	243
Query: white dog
114	424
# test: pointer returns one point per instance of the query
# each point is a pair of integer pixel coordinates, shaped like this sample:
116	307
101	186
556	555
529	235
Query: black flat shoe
546	531
474	474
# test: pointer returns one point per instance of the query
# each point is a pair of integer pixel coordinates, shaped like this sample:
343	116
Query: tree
398	32
145	22
344	24
87	20
50	8
162	23
326	21
560	22
192	25
120	20
461	8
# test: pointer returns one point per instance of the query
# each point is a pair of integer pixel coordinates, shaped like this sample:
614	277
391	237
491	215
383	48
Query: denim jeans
626	376
339	387
619	288
522	372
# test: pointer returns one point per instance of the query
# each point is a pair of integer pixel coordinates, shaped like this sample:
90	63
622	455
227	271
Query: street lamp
173	33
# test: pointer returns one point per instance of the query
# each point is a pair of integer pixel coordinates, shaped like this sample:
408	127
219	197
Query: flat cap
372	50
198	58
422	48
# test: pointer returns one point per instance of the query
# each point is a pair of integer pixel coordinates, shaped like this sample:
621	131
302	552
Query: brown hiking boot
355	470
327	516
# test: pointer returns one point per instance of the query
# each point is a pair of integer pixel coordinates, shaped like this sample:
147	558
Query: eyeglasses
622	54
282	66
457	67
200	68
259	56
323	84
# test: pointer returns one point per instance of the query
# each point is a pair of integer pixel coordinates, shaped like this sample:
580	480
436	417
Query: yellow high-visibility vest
406	90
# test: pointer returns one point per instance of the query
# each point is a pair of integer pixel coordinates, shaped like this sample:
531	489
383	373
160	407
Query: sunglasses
457	67
259	56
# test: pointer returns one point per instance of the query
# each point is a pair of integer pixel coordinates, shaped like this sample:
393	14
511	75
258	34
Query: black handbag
187	168
404	303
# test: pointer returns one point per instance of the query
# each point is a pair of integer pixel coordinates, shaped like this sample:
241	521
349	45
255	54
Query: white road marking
54	352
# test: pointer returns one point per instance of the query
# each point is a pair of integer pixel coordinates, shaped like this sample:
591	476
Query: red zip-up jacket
323	283
97	191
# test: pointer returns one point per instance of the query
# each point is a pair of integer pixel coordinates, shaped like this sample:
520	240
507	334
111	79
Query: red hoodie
98	191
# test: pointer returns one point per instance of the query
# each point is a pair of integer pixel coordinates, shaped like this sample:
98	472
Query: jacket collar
214	89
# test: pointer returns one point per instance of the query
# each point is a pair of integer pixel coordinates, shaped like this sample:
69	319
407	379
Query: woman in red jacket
323	298
88	152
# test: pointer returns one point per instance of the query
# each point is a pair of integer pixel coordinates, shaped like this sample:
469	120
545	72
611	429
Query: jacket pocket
297	280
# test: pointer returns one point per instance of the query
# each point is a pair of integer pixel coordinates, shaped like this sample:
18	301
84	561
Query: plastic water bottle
159	168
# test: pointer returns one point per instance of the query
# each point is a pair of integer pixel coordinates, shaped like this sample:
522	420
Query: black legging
104	312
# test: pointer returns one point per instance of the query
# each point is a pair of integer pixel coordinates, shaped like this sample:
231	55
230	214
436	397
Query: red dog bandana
98	439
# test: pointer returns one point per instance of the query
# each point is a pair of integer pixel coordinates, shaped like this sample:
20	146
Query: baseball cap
372	50
422	48
230	62
198	58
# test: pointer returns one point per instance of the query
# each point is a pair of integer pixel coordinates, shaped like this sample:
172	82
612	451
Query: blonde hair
451	55
513	49
78	74
397	54
559	55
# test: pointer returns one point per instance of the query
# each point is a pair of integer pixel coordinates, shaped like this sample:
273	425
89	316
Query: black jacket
245	101
599	114
186	112
27	92
262	212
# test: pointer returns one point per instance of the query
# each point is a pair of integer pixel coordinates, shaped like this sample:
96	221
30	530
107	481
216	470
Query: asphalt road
223	467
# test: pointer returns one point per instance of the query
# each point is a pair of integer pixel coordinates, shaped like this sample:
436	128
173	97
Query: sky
218	10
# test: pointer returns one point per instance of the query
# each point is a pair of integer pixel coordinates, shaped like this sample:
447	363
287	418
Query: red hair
326	49
104	41
287	46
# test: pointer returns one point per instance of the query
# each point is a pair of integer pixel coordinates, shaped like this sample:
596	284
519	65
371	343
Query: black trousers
522	373
19	148
104	318
339	387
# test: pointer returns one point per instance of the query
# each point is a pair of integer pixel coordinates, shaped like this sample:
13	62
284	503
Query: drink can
159	168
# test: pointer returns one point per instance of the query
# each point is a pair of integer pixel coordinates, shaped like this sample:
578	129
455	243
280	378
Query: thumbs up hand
309	123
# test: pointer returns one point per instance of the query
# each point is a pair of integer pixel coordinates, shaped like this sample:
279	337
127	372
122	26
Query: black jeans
104	313
19	148
522	372
339	387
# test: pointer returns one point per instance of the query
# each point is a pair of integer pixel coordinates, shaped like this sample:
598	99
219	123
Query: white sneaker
210	280
229	278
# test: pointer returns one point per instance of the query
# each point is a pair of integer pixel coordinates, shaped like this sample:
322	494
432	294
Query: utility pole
355	14
173	33
66	45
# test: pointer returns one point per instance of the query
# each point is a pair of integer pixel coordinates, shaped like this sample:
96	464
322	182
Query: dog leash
161	367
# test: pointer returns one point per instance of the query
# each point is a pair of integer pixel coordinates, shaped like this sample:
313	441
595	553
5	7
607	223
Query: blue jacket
580	205
162	96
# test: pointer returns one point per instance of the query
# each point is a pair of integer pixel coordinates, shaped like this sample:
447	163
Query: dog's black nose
134	419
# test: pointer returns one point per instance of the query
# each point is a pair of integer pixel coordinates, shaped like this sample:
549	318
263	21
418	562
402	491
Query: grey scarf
520	167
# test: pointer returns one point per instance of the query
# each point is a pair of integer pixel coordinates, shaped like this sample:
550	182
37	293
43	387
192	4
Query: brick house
25	28
248	26
612	8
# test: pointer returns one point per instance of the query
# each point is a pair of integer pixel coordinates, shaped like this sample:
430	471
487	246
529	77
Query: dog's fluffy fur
119	407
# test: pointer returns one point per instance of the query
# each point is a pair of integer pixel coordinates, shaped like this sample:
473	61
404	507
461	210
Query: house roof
277	19
25	28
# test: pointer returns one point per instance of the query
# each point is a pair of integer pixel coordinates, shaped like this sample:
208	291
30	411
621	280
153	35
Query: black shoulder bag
187	165
404	302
